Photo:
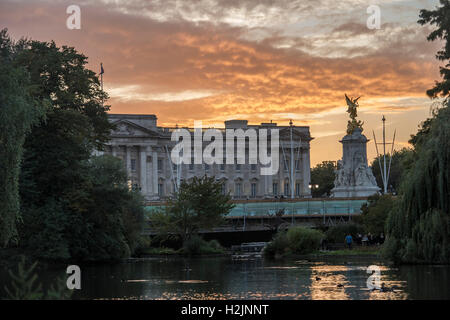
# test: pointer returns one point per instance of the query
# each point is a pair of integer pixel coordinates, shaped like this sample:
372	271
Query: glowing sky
214	60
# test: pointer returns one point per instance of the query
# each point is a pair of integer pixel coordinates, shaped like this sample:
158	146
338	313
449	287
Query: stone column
143	170
149	174
306	172
268	181
155	172
128	160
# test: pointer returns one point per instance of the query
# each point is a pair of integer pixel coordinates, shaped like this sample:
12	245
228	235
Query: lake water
224	278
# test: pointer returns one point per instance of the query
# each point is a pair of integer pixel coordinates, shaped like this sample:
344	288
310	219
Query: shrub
279	245
297	240
304	240
196	245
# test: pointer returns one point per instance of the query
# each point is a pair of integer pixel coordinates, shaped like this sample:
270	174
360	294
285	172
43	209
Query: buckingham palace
145	149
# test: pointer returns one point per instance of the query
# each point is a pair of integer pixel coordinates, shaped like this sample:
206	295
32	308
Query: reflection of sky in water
223	278
258	279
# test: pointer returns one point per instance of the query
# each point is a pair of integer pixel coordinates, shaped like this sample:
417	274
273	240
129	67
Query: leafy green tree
418	226
425	201
197	205
400	163
323	175
115	212
440	17
60	76
19	110
105	223
73	206
374	214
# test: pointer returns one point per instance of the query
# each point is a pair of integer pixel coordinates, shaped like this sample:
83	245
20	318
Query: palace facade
145	150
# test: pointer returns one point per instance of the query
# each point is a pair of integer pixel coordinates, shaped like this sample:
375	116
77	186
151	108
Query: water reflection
223	278
328	282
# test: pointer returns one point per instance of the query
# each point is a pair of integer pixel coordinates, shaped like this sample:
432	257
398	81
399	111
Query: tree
418	226
18	112
374	213
401	161
73	206
197	205
441	18
103	222
323	175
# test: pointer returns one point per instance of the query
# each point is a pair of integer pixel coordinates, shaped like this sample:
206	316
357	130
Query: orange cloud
185	70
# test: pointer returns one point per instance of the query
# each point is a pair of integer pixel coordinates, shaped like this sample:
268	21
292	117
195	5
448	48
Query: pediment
125	128
296	135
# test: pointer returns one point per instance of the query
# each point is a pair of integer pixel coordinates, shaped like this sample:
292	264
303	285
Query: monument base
354	191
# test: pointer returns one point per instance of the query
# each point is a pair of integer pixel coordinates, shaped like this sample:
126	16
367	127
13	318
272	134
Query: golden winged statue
353	124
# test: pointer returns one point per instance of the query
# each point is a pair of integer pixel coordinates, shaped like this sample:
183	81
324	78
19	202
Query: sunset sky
214	60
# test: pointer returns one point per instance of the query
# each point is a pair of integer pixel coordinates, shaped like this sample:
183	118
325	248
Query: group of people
364	240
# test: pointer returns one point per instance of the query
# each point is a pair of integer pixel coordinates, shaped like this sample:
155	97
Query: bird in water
385	289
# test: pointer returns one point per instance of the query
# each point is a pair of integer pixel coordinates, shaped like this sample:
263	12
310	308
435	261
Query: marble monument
354	178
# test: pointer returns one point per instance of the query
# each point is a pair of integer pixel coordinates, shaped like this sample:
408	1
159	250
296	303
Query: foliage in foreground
103	224
297	240
19	111
71	206
23	285
418	227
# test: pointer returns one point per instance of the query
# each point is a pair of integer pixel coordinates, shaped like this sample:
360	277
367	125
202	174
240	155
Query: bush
196	245
337	233
297	240
304	240
279	246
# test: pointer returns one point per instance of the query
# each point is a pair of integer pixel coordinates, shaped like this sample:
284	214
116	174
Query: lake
224	278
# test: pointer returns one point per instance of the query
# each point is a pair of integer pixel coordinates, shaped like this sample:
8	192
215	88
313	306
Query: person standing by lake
348	241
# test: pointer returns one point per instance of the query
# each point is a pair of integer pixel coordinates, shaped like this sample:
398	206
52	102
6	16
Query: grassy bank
363	251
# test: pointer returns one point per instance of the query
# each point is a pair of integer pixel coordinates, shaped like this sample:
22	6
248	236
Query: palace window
253	193
237	192
275	188
224	188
